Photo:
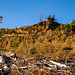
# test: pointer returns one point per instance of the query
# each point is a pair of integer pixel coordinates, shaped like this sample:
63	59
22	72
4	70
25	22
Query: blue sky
17	13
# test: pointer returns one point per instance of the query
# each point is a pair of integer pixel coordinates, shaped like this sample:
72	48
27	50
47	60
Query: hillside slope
47	38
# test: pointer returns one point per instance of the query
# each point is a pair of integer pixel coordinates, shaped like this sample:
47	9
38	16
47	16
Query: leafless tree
1	18
40	16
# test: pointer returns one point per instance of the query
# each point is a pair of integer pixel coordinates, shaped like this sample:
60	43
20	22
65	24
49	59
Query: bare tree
1	18
40	16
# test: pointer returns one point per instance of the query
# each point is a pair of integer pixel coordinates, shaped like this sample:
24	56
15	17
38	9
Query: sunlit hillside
44	38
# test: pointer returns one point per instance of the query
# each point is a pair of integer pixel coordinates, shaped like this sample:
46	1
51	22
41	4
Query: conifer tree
73	21
51	19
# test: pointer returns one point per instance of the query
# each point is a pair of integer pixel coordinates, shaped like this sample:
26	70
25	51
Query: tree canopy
51	19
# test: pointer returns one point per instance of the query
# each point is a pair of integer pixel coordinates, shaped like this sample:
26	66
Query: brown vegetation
46	37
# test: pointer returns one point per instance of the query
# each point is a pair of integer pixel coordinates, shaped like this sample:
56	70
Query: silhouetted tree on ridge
51	19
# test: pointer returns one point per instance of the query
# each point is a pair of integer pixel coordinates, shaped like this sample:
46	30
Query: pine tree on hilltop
51	19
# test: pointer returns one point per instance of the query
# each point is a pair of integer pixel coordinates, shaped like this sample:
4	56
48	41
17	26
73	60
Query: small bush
32	50
67	48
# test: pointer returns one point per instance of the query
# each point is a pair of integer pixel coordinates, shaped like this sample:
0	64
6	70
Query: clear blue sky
17	13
